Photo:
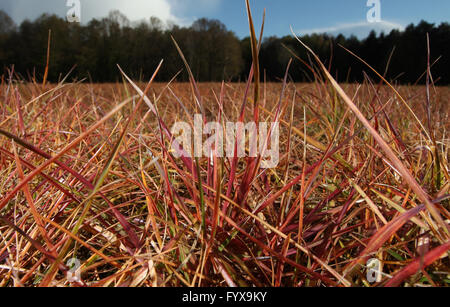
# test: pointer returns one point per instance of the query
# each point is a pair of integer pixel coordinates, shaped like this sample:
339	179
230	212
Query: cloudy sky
305	16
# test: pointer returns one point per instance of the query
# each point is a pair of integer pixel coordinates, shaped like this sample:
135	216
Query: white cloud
133	9
166	10
184	9
360	29
204	5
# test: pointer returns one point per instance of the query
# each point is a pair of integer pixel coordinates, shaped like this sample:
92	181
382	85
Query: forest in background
213	52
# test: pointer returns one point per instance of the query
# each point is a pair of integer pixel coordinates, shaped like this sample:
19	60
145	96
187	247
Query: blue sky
332	16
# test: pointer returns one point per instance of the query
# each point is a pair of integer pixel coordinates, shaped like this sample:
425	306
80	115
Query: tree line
213	52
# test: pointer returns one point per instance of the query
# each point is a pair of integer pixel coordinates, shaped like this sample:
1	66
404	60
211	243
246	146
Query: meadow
88	173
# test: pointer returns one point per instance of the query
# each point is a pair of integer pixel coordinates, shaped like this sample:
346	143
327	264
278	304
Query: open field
87	172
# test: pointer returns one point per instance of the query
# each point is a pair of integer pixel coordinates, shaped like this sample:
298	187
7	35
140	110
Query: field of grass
87	172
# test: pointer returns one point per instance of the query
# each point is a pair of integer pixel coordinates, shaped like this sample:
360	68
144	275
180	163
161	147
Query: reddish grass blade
415	266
